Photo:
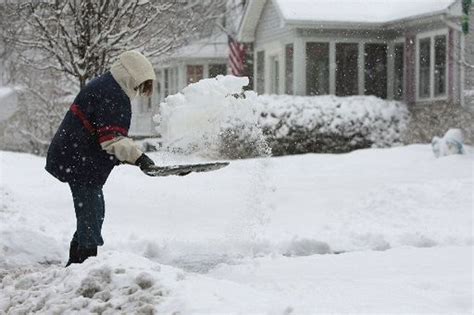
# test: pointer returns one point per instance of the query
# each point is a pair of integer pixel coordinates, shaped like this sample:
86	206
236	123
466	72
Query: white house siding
271	26
271	36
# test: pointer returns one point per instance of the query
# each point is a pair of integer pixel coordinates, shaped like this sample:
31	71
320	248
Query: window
261	72
176	80
398	71
172	81
440	66
275	88
317	68
432	66
166	87
217	69
148	104
347	78
289	51
158	84
194	73
375	68
424	74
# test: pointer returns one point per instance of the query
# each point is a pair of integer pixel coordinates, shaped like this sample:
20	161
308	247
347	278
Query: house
400	49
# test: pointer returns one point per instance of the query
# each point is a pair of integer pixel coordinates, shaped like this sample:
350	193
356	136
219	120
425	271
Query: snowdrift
389	229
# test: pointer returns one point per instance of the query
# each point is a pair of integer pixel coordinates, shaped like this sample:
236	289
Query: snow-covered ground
373	231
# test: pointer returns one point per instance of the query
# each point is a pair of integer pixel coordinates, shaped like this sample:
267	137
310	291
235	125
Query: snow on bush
301	124
215	117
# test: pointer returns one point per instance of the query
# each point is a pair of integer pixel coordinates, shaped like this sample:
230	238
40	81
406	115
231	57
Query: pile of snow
451	143
116	283
301	124
212	117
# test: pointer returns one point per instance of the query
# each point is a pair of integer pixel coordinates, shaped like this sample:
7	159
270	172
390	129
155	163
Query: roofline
248	8
365	25
173	61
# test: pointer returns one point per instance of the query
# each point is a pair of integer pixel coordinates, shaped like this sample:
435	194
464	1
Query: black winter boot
77	255
85	253
73	253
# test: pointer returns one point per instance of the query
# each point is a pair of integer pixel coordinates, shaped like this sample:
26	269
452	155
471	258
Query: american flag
236	56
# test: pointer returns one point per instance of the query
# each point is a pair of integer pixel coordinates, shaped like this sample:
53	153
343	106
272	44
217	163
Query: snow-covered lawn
379	230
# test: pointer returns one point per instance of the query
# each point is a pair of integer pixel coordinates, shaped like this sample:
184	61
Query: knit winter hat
131	70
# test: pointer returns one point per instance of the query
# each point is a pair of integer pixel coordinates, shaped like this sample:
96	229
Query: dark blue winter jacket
100	112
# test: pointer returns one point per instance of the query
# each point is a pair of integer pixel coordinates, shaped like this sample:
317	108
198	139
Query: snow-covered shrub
301	124
214	118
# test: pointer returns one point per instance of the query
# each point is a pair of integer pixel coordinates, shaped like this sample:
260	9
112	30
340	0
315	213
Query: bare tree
82	37
51	48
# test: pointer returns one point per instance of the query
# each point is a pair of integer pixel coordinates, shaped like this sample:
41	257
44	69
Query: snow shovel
184	169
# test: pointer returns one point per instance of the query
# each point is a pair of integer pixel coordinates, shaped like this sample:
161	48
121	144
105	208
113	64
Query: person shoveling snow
451	143
93	138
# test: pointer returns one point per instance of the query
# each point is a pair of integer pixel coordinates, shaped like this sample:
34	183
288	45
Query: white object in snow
451	143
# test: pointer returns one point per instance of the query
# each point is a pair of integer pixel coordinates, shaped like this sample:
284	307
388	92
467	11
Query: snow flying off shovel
184	169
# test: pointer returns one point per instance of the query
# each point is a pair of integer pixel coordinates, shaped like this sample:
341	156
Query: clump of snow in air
200	118
451	143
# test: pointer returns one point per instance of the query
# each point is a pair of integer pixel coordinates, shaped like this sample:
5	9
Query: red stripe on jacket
105	133
106	138
83	118
112	129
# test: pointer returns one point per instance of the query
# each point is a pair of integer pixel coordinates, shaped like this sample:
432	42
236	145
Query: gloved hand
144	162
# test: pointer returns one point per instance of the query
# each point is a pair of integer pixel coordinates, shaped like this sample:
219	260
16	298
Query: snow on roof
207	48
359	11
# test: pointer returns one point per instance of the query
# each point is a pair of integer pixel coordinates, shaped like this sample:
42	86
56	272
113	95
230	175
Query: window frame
431	35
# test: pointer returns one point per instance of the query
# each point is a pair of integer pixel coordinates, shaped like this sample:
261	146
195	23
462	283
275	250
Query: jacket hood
131	70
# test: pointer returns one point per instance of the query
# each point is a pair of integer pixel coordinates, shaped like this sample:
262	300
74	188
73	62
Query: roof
359	11
320	13
215	47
